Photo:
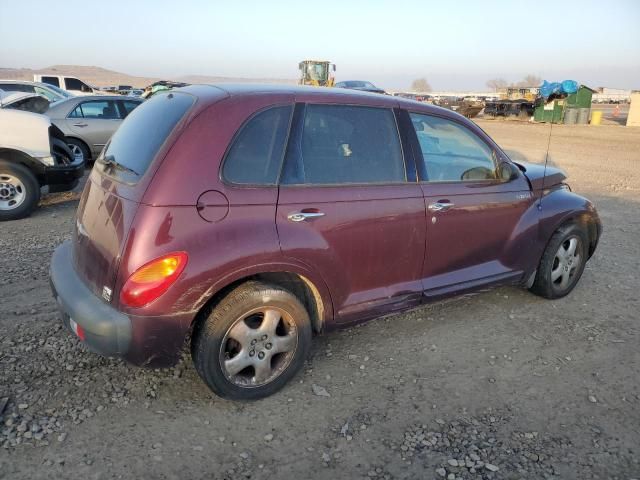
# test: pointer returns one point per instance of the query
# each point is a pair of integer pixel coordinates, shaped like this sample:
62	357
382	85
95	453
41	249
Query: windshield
60	91
139	138
317	71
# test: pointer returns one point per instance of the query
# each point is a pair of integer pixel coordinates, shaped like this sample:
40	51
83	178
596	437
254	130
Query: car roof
210	93
9	80
358	81
23	82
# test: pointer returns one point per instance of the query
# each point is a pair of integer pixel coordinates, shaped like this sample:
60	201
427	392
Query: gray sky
455	45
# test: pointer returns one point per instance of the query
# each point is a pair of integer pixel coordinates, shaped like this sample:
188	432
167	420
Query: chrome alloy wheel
258	347
76	151
12	192
566	263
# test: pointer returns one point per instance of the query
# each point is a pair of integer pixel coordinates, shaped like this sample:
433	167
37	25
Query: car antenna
546	160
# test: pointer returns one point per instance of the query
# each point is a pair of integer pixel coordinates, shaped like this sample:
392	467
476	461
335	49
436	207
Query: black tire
29	189
544	285
78	146
212	340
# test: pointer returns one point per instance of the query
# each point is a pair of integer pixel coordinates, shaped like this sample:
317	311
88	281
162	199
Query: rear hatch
117	183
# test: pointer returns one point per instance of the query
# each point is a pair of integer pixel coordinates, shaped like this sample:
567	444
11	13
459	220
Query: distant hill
101	77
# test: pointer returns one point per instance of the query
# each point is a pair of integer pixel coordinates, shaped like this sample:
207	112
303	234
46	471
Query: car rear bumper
154	341
106	331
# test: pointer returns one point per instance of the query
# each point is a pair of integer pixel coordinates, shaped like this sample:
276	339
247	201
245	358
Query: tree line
495	84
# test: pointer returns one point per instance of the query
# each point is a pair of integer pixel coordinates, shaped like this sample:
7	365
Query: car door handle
79	124
302	216
440	206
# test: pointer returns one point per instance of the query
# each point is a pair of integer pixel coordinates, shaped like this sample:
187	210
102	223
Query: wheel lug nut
252	353
264	337
254	341
261	355
268	346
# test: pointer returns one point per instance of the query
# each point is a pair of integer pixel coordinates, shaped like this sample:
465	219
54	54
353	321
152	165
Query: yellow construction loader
316	73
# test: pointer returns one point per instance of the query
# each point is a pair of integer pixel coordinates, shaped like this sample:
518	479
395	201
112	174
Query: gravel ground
500	385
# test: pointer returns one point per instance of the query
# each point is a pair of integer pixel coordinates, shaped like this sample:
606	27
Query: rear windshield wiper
110	161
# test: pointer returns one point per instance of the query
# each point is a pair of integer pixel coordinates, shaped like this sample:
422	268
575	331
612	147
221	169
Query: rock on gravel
469	445
319	391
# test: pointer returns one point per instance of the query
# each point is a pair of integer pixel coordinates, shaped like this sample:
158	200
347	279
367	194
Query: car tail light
152	279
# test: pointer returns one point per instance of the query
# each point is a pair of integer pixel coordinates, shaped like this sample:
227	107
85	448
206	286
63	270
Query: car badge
106	293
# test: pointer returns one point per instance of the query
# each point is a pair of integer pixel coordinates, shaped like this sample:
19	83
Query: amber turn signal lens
153	279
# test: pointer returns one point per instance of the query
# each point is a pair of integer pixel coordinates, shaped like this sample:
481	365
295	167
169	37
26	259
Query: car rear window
137	141
256	154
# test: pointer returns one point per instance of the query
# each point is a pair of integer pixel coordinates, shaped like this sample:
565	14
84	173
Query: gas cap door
212	206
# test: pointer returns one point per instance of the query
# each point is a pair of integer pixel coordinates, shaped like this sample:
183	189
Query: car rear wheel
253	342
562	263
19	191
78	150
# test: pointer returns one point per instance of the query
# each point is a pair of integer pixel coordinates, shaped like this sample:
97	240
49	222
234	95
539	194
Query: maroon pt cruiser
246	218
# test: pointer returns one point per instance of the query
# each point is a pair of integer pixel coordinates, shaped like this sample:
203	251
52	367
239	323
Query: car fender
523	238
539	222
556	208
279	265
25	132
560	206
213	265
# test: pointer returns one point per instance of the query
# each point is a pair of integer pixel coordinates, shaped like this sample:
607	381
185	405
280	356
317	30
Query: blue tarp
550	88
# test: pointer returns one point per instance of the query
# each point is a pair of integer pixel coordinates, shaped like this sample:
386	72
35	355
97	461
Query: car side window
77	85
51	81
451	152
76	112
346	144
129	106
99	109
256	154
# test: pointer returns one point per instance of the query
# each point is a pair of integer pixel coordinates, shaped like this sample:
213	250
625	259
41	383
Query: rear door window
99	109
77	85
139	138
345	144
51	81
128	106
76	112
256	153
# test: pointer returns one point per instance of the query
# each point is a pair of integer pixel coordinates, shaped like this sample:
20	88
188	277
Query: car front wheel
562	262
19	191
78	150
253	342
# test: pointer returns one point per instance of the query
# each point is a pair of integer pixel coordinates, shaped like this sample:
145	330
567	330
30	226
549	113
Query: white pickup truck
70	84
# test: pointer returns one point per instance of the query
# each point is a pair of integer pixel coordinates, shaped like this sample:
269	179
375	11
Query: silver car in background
50	92
89	122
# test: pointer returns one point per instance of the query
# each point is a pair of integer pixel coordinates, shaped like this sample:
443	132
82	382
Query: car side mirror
507	171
